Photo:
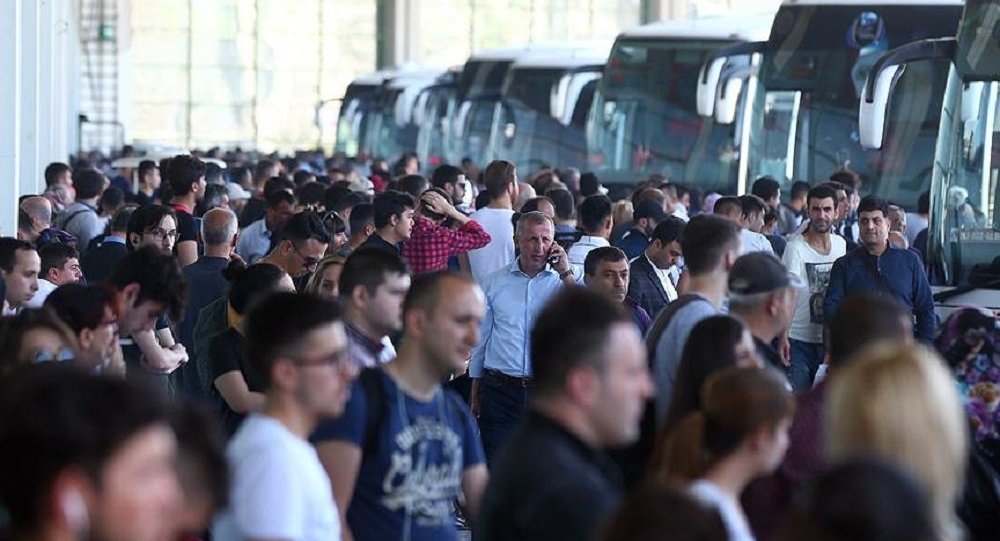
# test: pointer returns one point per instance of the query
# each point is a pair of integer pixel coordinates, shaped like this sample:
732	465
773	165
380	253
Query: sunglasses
64	355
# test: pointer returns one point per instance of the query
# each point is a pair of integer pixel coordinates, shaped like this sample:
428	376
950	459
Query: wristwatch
562	276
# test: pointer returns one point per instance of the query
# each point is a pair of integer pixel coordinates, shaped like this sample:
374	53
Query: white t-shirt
755	242
500	251
279	489
45	287
732	516
813	268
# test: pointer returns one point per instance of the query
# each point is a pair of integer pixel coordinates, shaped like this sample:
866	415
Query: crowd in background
329	348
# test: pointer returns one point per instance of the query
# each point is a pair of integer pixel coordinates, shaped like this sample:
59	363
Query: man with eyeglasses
302	244
89	311
279	489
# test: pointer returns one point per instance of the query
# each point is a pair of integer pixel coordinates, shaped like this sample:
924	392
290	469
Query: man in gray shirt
81	219
711	245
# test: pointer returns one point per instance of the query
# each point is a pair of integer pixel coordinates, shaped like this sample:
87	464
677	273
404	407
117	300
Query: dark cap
649	209
759	272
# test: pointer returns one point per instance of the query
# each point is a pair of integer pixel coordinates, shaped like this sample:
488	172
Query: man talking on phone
500	366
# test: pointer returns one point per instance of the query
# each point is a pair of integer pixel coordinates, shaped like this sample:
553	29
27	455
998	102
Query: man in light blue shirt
500	366
255	240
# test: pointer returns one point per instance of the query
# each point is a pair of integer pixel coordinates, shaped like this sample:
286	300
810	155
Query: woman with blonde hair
900	404
324	281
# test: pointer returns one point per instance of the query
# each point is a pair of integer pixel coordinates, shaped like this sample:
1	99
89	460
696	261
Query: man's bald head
39	209
218	227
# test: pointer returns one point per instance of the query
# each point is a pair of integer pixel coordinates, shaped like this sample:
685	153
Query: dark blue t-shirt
416	472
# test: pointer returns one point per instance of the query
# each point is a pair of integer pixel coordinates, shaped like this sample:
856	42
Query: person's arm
158	358
923	302
116	362
342	461
474	481
187	252
836	290
463	264
237	394
477	361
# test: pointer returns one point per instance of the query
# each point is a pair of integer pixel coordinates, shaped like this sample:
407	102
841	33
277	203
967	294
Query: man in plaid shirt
431	243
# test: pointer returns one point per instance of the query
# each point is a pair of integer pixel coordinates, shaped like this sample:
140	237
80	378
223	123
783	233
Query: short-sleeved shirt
225	354
187	225
670	347
136	369
422	450
279	489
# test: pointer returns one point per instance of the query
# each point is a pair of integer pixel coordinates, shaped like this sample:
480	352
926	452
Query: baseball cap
236	192
649	209
759	272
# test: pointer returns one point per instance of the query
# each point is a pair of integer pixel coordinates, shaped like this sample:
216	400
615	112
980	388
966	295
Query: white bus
644	118
392	127
963	241
352	121
803	121
541	115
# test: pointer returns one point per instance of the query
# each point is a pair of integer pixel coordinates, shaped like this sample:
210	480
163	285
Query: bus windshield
539	119
350	122
804	123
432	133
644	119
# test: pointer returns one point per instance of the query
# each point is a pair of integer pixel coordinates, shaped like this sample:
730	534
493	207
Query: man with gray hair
762	295
500	365
34	217
206	284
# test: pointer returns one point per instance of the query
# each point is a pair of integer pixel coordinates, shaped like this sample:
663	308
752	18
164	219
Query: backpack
370	380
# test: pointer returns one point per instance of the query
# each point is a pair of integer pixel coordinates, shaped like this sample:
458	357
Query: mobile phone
553	258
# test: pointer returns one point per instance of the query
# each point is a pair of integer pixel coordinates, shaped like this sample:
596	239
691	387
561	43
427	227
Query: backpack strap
65	224
374	389
663	320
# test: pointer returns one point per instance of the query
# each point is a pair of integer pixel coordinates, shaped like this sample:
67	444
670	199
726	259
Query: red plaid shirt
430	245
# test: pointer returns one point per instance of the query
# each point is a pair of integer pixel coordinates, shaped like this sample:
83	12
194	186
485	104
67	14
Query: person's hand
181	351
558	259
474	398
433	202
236	257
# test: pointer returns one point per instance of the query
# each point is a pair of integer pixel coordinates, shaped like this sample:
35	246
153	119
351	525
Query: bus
432	114
477	92
352	120
391	127
540	117
644	118
963	238
803	120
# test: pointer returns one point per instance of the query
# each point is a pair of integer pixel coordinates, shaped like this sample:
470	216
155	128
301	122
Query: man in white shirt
500	178
595	220
19	267
60	265
810	257
279	489
747	211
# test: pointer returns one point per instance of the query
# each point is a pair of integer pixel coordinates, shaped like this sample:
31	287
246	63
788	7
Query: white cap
236	192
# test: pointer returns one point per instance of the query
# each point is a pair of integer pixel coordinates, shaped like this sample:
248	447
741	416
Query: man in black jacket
101	259
650	283
589	387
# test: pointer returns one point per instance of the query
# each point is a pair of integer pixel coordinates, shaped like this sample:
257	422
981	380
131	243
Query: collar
353	333
593	240
181	207
115	239
515	268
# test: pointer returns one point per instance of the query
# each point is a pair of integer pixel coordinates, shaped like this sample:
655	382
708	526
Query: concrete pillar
397	38
662	10
10	107
30	168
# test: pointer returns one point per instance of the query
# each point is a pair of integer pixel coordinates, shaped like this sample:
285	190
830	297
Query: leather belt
505	379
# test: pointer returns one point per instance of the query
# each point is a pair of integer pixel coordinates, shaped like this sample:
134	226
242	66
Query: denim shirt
513	301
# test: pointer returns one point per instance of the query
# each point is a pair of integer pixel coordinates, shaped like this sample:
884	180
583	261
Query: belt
505	379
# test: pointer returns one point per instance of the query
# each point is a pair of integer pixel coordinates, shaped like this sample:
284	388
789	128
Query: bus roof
568	60
513	53
749	27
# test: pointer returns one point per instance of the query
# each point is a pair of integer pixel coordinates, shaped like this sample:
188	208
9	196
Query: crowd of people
316	349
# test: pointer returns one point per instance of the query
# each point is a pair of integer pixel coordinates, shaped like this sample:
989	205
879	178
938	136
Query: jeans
806	360
500	408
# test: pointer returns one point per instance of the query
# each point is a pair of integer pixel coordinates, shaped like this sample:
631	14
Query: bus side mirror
733	84
874	108
708	84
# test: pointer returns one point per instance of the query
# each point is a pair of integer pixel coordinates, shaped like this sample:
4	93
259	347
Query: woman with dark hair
653	510
714	344
232	387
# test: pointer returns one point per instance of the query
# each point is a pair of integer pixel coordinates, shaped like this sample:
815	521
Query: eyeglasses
64	355
336	359
161	234
308	262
